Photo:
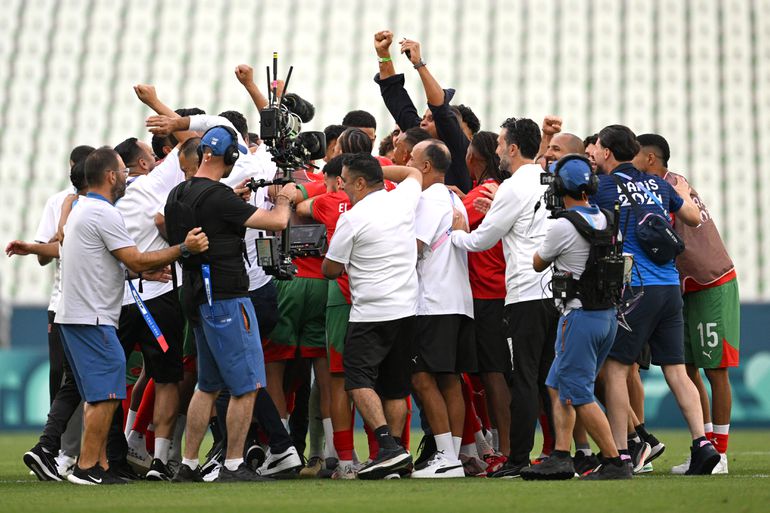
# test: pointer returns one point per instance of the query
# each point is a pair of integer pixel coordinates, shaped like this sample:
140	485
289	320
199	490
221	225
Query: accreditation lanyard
206	271
446	234
148	319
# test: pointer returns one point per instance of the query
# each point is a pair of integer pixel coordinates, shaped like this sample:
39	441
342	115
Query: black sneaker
42	463
584	463
554	468
387	462
158	471
608	471
425	451
509	470
639	452
656	447
254	456
95	475
122	470
242	474
187	475
703	459
328	468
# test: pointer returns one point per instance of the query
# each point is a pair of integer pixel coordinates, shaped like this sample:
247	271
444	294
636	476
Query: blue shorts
229	347
97	360
583	340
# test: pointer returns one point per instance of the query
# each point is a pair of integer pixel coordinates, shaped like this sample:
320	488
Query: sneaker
555	468
65	464
439	467
95	475
388	461
509	470
721	467
213	473
473	466
187	475
682	468
656	447
158	471
173	467
284	465
703	459
639	453
255	456
326	472
242	474
607	471
42	463
346	471
214	458
314	465
646	469
584	463
122	470
138	456
494	461
425	451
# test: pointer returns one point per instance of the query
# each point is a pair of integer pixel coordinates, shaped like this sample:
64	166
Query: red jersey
384	161
327	209
486	268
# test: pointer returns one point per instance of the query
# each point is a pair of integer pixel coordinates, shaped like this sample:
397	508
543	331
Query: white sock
457	442
129	422
482	446
329	450
233	464
721	429
193	464
470	450
586	451
708	427
285	423
495	439
161	449
444	444
136	440
175	453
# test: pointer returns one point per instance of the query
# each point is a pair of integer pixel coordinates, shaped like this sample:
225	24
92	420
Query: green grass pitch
746	489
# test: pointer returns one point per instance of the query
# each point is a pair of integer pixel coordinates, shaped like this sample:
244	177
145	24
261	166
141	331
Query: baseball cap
219	139
574	173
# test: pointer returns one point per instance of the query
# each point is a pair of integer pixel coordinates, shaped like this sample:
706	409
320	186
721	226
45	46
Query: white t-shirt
46	230
144	197
376	241
443	269
514	219
92	278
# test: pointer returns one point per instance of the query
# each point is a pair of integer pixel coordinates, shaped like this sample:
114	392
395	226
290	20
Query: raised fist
382	42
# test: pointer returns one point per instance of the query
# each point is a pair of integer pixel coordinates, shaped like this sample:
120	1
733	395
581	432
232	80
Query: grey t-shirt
92	279
565	247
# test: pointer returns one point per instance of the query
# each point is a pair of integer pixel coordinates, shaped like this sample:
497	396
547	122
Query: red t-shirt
384	161
486	268
327	209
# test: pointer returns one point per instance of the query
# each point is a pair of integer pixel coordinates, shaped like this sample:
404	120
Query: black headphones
231	152
558	184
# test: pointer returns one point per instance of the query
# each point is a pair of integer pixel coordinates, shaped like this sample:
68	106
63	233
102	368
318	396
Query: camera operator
226	331
586	332
657	318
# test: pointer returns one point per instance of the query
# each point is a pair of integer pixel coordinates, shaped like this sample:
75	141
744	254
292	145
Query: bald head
562	144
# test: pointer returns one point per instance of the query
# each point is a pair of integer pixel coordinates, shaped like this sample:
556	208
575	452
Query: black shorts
657	320
494	354
167	312
444	344
644	357
376	356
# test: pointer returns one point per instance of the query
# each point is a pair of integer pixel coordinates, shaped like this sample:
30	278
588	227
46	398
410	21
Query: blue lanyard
148	318
206	271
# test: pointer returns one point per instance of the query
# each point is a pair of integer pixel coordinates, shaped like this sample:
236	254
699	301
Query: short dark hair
591	139
253	138
157	143
332	133
524	133
79	153
354	140
189	111
658	142
189	148
359	119
621	141
469	117
334	166
98	163
386	145
438	155
78	175
129	151
415	135
238	121
365	166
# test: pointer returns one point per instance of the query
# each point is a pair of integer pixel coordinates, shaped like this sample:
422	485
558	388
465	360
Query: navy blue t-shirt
609	192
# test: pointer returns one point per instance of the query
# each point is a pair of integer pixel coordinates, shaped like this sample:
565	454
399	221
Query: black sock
614	461
560	454
384	439
642	432
268	417
216	432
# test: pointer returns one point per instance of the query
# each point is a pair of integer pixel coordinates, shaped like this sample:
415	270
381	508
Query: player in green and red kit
711	304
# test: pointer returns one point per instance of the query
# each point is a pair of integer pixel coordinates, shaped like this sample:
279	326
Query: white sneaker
346	471
138	455
65	464
721	467
439	466
683	468
285	464
212	474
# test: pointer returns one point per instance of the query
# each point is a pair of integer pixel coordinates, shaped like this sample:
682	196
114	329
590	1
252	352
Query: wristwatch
183	249
419	64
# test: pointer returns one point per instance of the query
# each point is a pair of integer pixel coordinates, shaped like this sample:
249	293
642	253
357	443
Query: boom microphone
302	108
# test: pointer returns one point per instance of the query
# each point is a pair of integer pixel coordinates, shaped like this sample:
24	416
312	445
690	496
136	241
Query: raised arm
394	95
148	96
245	75
433	91
551	126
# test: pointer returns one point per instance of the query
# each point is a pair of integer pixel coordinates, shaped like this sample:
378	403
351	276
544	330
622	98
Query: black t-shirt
221	214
